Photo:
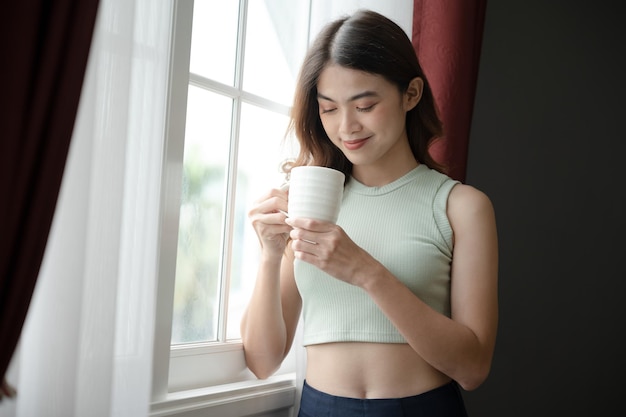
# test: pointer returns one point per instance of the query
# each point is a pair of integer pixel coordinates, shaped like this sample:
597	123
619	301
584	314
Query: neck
379	175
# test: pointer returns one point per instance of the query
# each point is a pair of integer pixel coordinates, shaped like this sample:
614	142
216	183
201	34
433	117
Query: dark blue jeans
445	401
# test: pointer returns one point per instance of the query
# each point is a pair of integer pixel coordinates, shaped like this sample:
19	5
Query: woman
399	298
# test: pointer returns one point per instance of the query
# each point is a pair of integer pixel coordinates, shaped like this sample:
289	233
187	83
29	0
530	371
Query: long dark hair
370	42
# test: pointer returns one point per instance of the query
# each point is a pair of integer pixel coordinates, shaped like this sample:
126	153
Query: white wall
400	11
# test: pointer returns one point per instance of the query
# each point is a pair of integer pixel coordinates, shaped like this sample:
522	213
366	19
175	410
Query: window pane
214	40
262	148
276	39
207	140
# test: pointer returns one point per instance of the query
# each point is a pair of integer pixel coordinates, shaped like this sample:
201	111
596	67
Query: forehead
340	83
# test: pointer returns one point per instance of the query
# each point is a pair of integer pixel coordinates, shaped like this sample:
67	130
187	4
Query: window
243	65
234	69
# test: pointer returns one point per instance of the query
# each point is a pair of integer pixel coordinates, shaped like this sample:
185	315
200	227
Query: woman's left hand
328	247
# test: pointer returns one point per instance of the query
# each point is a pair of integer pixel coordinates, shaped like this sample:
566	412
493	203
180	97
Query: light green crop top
405	227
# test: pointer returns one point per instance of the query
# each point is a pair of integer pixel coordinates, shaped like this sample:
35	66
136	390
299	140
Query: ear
413	93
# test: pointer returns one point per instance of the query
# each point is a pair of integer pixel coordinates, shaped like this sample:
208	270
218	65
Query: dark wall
548	146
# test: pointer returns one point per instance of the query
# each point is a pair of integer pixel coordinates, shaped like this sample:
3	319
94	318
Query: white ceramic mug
315	193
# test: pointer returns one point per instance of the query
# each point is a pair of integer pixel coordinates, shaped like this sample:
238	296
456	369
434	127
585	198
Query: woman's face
364	115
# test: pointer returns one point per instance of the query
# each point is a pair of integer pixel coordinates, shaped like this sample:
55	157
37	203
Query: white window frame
188	367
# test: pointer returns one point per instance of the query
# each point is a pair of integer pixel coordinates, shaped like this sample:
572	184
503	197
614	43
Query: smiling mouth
354	144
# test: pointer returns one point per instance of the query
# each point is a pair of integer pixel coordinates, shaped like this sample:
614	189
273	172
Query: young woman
399	298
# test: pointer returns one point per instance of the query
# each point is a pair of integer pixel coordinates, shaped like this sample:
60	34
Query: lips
354	144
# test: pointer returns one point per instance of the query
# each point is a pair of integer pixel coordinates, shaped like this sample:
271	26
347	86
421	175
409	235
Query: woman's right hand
268	219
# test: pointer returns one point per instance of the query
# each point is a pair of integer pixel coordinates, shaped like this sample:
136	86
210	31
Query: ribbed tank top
405	227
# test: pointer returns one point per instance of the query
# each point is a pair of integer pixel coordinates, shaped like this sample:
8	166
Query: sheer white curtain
86	348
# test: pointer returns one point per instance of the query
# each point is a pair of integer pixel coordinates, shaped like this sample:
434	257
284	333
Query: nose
349	123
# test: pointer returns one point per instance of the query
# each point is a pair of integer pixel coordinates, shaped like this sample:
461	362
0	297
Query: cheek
391	118
380	121
329	128
335	140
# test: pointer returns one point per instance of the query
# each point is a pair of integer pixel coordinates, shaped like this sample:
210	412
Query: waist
370	370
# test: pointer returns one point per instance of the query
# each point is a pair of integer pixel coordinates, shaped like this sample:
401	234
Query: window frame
187	367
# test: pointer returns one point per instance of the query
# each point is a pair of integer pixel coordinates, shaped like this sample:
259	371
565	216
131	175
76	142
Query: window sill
230	400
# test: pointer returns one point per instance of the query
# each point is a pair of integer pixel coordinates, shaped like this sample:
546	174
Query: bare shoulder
468	199
469	207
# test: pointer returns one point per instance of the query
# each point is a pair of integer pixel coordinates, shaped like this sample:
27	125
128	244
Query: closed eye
365	109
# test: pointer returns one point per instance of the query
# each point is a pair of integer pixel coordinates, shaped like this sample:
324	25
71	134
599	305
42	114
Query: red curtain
447	36
44	47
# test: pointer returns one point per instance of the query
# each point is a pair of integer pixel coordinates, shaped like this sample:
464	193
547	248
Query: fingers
269	222
268	226
312	225
304	245
307	250
269	218
270	209
313	236
301	235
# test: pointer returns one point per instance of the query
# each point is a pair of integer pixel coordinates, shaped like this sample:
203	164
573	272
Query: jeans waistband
442	401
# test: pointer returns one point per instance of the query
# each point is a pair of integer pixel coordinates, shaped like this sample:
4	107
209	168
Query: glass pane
207	140
214	40
261	152
276	39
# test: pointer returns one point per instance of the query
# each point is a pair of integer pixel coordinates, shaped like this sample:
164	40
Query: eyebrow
353	98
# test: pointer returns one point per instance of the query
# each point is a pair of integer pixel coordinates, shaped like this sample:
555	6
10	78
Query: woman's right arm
269	323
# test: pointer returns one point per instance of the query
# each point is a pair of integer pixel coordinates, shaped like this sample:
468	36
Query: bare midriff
370	370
